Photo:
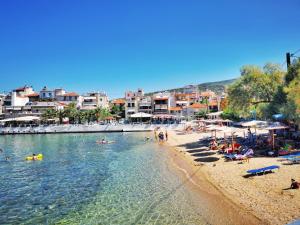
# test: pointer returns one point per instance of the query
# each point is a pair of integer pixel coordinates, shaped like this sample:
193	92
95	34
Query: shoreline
95	128
260	198
217	207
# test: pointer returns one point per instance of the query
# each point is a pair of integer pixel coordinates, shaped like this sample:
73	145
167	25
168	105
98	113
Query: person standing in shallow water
161	136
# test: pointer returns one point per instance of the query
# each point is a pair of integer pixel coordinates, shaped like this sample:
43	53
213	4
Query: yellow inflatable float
37	157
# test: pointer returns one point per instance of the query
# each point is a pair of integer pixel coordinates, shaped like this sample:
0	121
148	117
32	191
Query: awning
163	116
141	115
23	119
215	113
254	123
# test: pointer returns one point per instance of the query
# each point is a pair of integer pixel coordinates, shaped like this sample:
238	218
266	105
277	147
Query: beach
258	199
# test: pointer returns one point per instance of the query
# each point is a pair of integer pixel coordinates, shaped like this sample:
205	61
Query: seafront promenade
87	128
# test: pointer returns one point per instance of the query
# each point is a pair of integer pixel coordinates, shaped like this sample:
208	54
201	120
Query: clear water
81	182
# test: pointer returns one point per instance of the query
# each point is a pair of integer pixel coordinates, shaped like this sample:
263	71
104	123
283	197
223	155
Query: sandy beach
252	200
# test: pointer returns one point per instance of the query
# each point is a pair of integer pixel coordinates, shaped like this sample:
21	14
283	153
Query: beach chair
263	170
295	159
244	156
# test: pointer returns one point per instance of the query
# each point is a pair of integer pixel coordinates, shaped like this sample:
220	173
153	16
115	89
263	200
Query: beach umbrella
254	123
274	127
214	129
278	116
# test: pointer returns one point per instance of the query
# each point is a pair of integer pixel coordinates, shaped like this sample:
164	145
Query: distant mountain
218	87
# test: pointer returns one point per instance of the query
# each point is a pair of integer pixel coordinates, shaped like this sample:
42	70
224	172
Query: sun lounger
263	170
245	154
295	159
291	155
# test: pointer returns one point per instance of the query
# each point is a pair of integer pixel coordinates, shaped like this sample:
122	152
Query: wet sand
225	196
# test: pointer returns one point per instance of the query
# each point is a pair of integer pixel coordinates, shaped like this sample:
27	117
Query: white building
145	104
162	102
19	96
95	100
2	97
38	108
70	97
132	100
45	93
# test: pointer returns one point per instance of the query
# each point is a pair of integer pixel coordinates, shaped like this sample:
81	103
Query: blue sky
121	45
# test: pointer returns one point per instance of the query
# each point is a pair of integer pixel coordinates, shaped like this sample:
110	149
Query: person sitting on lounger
213	144
295	184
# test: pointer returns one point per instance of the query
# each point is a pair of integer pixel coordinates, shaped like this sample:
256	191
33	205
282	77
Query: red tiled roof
20	88
175	108
32	95
71	94
119	101
198	106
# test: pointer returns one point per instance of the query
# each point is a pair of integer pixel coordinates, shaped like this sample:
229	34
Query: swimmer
34	157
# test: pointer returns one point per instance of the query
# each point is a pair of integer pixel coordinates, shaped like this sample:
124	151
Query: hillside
218	87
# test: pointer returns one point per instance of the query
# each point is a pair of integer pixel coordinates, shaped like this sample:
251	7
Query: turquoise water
81	182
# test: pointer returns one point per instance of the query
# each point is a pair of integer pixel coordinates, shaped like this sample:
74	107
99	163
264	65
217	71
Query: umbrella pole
273	140
232	146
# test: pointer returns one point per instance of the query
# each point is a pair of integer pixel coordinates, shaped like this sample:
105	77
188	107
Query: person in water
295	184
34	157
161	136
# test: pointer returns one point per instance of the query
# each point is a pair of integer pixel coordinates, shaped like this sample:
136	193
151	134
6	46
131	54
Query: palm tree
71	112
61	114
49	114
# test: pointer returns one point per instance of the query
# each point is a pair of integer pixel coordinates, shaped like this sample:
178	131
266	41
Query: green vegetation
77	116
265	91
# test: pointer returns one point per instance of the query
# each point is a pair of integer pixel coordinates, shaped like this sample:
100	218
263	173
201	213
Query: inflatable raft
38	157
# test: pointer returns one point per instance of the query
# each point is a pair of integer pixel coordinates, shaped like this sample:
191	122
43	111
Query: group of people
160	135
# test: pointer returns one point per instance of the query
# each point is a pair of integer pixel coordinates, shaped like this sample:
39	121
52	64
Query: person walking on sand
166	135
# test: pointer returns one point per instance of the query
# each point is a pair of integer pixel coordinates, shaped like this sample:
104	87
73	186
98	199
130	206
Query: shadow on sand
207	159
203	154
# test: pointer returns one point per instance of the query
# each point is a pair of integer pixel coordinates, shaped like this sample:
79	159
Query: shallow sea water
81	182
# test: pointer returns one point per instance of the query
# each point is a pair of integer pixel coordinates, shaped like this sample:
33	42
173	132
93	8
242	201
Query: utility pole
288	59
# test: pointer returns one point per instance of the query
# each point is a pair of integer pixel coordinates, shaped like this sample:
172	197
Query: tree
115	110
293	72
71	112
201	114
255	89
49	114
230	115
293	97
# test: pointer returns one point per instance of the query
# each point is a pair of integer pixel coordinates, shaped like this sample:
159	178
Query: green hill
218	87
